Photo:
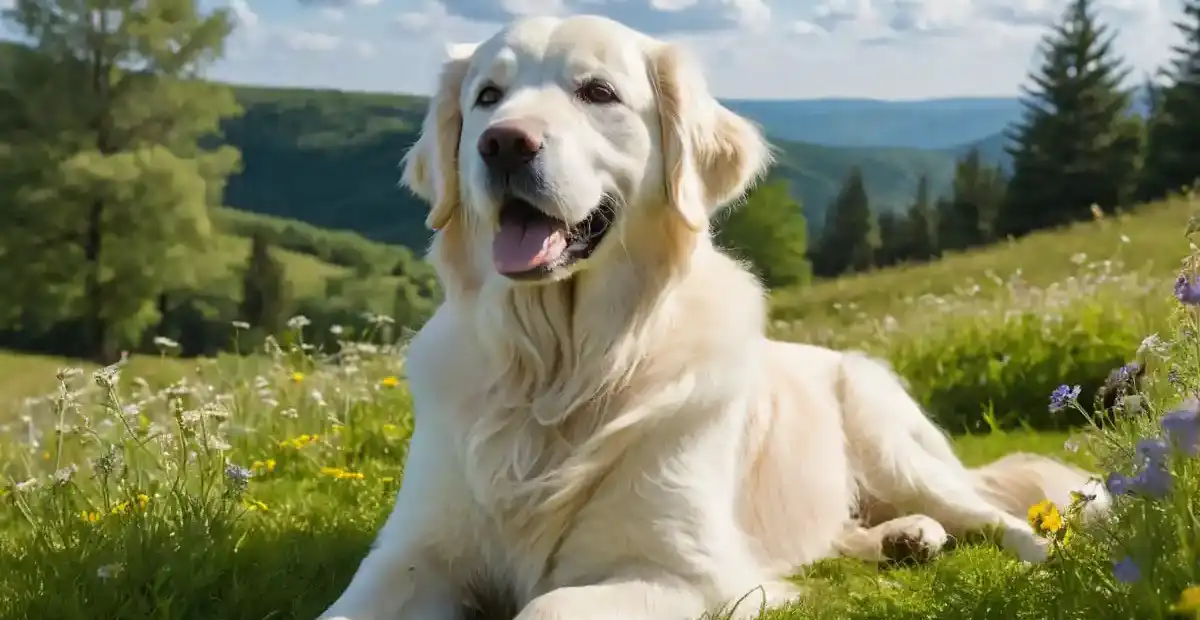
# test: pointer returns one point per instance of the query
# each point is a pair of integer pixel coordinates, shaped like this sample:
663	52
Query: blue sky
887	49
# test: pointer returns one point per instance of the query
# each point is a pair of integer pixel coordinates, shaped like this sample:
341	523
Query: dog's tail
1019	480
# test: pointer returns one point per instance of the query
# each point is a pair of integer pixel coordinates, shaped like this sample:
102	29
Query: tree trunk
98	332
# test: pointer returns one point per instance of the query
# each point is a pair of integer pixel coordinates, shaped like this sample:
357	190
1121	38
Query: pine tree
1076	144
108	186
851	235
968	217
1173	149
893	239
921	225
769	231
264	288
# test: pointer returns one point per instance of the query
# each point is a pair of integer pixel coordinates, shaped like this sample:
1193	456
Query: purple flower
1153	481
1153	451
1062	396
1118	484
1183	428
1187	290
1126	571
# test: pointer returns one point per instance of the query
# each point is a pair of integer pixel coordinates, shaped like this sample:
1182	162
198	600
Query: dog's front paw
1026	545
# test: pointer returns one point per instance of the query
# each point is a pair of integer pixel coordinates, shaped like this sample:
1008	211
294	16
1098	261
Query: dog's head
560	138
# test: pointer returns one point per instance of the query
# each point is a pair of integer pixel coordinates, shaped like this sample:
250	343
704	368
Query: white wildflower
299	321
240	325
163	342
110	571
1153	345
336	330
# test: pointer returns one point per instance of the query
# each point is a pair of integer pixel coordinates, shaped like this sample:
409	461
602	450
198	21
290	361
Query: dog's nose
509	145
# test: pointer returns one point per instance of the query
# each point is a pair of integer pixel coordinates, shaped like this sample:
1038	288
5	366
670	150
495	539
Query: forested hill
331	158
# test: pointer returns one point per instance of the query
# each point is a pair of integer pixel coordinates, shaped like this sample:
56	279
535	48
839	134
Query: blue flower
1126	571
1062	396
1183	428
1118	484
1153	451
1153	481
1187	290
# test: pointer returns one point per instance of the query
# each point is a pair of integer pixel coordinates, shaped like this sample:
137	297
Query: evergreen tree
968	217
921	225
769	231
1076	144
265	295
1173	150
893	239
107	187
851	235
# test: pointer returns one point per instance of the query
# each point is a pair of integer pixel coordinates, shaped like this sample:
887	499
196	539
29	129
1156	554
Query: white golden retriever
603	431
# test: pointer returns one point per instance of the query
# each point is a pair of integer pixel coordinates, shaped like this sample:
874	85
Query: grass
131	511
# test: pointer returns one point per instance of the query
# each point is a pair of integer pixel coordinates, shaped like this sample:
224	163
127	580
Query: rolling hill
329	158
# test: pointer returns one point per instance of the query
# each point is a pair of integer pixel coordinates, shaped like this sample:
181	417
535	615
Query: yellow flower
267	465
1044	518
89	516
342	474
253	504
299	442
389	382
297	377
1189	600
142	500
120	509
46	456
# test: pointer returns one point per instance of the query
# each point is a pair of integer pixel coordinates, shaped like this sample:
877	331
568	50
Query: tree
1173	149
968	217
851	235
893	239
107	188
770	233
265	294
922	225
1076	144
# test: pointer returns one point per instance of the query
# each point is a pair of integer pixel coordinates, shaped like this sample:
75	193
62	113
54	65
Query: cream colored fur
624	442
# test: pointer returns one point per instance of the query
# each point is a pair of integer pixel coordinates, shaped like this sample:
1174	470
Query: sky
750	49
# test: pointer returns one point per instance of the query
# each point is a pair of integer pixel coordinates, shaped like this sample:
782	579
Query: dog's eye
489	96
597	92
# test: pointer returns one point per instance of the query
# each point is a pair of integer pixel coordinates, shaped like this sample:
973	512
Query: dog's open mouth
531	245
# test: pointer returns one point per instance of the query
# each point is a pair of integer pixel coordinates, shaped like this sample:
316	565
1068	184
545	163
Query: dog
602	428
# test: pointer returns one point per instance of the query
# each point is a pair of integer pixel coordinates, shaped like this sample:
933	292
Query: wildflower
299	321
1153	481
342	474
299	442
1189	601
64	475
389	382
1062	396
237	477
89	516
1120	382
1045	518
1126	571
1152	451
1097	212
297	377
1153	345
110	571
1187	290
108	376
267	465
1118	484
253	504
163	342
240	325
1183	428
336	330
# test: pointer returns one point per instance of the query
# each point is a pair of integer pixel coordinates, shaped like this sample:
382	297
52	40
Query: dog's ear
431	165
711	156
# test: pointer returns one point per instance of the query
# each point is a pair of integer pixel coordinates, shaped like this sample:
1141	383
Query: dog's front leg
617	599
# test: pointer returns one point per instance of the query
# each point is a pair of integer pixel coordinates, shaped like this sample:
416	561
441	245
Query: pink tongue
521	246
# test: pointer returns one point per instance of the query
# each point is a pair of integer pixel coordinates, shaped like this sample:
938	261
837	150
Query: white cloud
243	14
854	48
307	41
332	14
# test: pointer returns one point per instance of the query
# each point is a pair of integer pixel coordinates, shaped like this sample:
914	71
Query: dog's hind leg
901	458
909	538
